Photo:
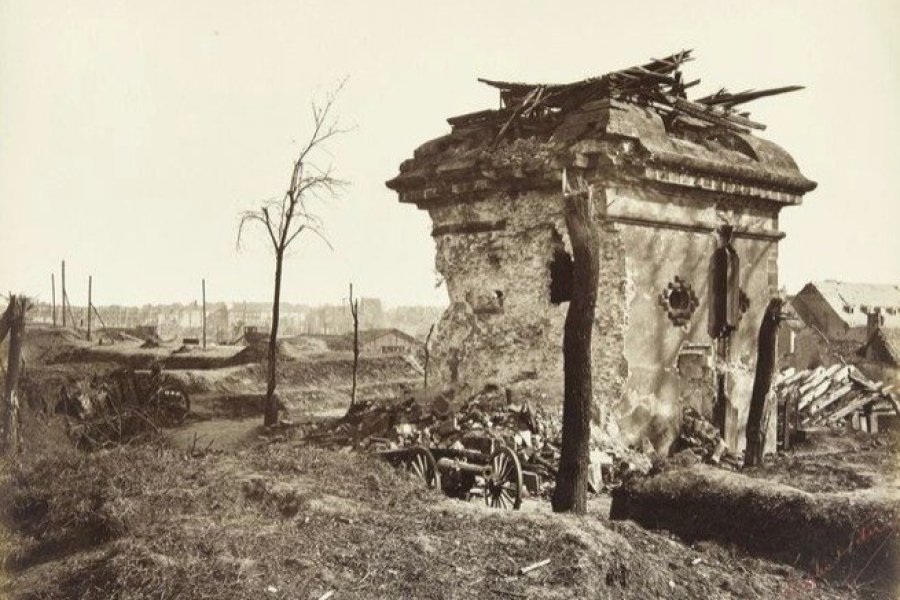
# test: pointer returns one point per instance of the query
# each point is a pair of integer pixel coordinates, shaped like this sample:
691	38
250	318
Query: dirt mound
227	526
339	371
839	536
151	343
230	380
43	343
306	345
135	356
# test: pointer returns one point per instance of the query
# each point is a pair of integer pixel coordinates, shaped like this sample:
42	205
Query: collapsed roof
542	127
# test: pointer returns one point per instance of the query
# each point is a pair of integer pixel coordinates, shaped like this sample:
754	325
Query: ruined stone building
839	321
667	174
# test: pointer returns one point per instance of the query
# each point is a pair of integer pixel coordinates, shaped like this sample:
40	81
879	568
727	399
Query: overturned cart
465	473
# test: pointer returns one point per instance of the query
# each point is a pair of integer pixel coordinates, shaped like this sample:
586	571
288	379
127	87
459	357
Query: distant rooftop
852	301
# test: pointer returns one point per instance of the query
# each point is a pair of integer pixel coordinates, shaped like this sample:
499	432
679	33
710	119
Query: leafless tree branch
286	218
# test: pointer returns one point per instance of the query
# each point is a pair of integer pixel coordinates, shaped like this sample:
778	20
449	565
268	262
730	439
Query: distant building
880	356
839	310
387	341
843	322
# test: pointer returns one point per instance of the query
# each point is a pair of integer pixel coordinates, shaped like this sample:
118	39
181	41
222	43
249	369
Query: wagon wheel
503	488
421	463
172	404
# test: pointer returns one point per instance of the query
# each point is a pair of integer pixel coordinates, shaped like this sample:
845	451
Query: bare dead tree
12	322
427	355
762	381
285	219
570	494
354	312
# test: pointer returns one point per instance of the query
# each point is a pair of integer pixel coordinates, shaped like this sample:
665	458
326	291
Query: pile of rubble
834	396
480	421
703	439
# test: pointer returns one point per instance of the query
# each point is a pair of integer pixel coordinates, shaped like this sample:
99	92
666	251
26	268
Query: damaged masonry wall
662	187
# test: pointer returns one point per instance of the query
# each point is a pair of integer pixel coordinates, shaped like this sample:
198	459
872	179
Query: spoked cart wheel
503	486
172	404
420	462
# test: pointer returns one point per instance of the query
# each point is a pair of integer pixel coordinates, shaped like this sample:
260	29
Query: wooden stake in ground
63	296
427	355
89	308
53	296
354	312
203	283
13	322
762	382
285	219
570	494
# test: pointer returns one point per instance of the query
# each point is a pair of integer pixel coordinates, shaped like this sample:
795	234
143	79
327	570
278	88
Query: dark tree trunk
762	382
271	407
5	322
354	312
571	479
355	360
427	356
13	321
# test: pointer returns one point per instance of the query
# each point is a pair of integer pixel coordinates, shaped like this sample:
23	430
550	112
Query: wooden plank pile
835	396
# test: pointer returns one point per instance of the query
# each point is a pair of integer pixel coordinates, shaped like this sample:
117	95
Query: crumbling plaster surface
657	391
514	337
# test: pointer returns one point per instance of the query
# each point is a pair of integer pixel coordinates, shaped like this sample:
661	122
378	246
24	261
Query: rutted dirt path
231	433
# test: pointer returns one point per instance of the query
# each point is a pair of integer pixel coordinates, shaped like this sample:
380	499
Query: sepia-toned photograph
310	300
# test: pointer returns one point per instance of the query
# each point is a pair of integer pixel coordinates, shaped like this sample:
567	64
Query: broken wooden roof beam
724	98
657	83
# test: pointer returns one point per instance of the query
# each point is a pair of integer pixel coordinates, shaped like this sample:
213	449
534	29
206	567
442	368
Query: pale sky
132	133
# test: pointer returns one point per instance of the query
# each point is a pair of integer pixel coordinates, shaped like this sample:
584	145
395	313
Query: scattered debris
118	406
703	439
480	422
534	566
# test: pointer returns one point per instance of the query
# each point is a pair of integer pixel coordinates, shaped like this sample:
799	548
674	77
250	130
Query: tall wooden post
63	297
53	296
204	313
354	312
89	309
767	344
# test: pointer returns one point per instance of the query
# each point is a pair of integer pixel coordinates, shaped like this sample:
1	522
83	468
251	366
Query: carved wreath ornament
679	301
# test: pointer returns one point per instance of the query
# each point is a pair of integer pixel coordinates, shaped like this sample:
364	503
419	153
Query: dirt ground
219	508
278	519
830	505
841	461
